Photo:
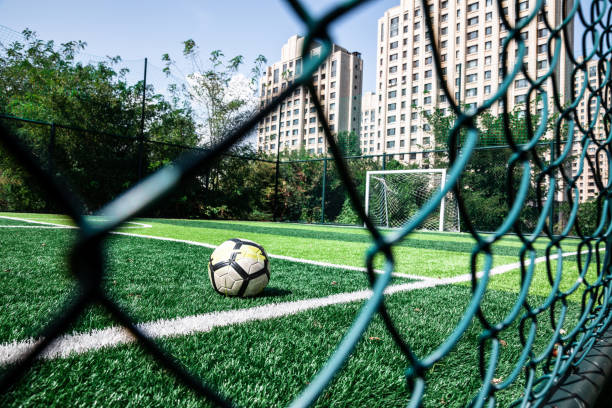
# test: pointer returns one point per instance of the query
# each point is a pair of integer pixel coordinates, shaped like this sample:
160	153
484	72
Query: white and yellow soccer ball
239	267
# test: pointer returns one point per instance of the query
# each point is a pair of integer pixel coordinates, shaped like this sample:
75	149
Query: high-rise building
587	115
469	36
295	124
369	125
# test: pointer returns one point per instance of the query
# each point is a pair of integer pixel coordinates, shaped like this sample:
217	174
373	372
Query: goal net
394	196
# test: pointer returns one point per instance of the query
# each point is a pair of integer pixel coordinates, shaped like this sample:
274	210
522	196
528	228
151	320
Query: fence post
552	205
323	190
384	161
278	141
142	121
51	149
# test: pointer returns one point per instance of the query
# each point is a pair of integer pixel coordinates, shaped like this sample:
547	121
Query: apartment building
586	114
469	37
368	134
295	125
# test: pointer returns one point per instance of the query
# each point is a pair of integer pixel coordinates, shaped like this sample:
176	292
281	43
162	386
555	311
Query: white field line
205	245
33	226
138	224
72	344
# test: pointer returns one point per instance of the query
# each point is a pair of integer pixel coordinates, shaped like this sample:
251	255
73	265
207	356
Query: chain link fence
538	200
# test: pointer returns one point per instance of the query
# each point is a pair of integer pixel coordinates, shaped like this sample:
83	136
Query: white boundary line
33	226
139	224
67	345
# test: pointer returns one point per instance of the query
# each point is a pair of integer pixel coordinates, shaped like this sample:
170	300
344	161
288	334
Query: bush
348	215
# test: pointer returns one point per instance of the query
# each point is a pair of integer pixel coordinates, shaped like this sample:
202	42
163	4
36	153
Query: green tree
42	80
210	88
348	143
483	184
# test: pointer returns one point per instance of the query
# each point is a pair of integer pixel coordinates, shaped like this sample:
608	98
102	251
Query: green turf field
260	361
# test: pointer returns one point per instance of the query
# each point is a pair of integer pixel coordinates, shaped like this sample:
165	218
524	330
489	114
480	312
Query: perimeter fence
539	371
245	185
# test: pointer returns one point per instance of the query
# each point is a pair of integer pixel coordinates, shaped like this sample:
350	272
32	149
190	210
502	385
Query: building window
391	132
394	27
472	35
393	45
472	7
391	106
521	83
472	21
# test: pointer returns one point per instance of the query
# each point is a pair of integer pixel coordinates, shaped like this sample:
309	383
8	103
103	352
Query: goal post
394	196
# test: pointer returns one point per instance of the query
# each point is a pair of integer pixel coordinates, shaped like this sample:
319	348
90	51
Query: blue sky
138	29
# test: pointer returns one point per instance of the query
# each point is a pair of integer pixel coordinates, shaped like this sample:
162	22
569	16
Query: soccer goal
394	196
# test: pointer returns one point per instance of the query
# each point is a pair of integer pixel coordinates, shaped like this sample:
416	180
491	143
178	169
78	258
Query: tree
483	184
348	143
218	89
43	81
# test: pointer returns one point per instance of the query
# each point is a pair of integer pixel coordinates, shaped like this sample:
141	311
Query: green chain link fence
532	181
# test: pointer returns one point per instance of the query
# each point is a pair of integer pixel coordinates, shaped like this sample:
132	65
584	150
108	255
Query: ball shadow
274	292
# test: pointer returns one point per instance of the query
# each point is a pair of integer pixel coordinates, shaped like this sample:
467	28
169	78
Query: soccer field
260	351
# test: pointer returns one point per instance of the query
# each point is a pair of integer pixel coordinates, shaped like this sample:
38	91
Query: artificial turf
265	364
422	253
262	363
151	279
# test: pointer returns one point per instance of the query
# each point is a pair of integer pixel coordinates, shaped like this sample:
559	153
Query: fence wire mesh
532	181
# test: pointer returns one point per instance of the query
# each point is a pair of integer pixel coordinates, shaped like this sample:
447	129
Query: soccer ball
239	267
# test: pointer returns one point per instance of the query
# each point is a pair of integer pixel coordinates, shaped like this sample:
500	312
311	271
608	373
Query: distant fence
100	165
